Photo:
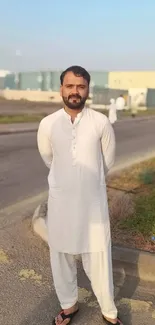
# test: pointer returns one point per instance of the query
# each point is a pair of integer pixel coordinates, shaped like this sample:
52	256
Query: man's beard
74	105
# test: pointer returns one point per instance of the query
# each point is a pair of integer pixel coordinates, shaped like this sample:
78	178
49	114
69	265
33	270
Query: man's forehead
71	78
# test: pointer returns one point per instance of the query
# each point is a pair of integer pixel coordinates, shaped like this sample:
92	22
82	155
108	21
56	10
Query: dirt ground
10	107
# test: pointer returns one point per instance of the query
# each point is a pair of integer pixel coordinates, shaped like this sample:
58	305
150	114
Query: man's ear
61	91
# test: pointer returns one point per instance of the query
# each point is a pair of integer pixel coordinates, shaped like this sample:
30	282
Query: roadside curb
126	261
38	221
136	119
15	131
133	262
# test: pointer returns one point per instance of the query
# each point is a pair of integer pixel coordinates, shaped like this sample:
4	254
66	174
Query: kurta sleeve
108	145
44	144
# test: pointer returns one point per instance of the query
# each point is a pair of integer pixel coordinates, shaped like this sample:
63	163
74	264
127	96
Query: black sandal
119	322
69	316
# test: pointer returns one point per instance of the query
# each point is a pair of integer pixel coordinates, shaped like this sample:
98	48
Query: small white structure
4	73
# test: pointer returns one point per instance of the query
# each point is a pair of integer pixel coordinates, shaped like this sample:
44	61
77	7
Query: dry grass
133	215
25	118
121	206
129	179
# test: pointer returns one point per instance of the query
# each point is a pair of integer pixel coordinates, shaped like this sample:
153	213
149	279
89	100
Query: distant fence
102	96
150	98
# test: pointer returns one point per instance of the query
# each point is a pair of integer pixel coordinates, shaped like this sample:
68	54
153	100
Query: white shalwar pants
99	272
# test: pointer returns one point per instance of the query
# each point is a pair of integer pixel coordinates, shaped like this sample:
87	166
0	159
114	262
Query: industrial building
50	80
46	80
104	85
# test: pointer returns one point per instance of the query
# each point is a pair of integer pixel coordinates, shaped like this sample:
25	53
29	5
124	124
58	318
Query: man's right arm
44	145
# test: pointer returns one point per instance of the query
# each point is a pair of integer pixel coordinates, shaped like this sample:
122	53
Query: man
136	102
78	145
112	111
120	104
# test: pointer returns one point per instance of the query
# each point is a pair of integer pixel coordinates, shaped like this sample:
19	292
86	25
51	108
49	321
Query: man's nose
75	90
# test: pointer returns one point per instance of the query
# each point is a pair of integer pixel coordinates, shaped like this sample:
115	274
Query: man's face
74	91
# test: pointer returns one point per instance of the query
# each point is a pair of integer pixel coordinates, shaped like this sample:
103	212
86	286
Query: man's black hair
78	71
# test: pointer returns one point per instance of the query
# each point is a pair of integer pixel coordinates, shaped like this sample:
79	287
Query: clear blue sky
98	34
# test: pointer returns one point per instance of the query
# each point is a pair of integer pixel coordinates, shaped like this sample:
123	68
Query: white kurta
78	155
112	113
120	103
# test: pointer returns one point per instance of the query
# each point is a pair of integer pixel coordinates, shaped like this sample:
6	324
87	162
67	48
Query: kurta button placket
74	140
74	145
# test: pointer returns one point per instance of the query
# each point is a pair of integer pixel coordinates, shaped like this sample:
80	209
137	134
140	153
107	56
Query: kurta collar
78	117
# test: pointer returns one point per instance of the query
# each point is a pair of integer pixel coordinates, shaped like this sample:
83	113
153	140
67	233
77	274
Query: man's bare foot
59	320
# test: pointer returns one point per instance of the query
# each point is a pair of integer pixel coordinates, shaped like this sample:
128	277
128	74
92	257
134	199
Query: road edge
126	261
15	131
34	129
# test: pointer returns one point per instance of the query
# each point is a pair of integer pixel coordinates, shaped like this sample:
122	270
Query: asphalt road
23	174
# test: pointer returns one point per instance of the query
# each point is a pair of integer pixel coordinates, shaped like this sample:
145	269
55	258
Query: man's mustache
74	96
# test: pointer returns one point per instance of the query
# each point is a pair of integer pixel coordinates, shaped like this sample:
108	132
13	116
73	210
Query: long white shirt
112	113
120	103
79	155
